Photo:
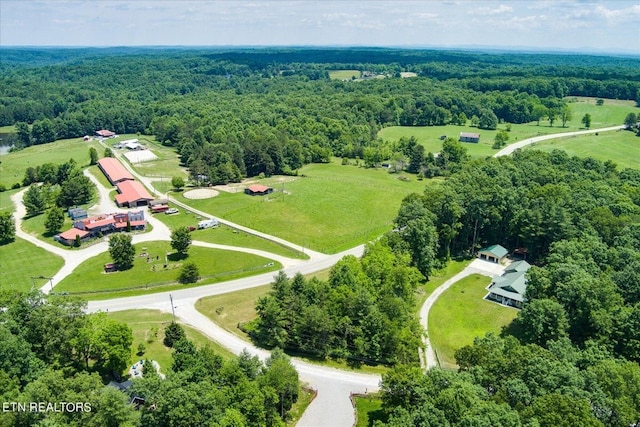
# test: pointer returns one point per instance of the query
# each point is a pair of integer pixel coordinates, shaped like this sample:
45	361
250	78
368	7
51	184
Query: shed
469	137
493	253
258	190
77	213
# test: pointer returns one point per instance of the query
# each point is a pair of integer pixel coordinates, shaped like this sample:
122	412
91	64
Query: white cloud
488	11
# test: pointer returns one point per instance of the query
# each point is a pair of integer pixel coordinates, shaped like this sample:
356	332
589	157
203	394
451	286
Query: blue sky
572	24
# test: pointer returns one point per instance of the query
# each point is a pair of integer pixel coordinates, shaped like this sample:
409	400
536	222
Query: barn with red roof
114	171
132	194
258	190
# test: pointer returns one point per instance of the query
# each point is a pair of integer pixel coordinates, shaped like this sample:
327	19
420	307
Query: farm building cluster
130	192
85	227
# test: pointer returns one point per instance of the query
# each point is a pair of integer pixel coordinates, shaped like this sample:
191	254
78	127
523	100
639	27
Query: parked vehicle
207	223
171	211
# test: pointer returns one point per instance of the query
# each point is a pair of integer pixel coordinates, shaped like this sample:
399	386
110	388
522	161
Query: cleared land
148	328
328	208
461	314
14	164
622	147
151	276
611	113
22	260
344	74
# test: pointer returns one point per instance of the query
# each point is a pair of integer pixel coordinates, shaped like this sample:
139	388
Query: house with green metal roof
509	288
493	253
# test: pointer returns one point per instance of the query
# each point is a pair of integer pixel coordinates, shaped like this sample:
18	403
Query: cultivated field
329	208
149	274
461	314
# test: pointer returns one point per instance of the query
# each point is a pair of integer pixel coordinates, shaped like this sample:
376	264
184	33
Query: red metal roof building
113	170
132	194
258	190
69	237
105	133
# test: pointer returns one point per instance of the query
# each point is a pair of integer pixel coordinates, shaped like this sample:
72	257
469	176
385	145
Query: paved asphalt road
332	406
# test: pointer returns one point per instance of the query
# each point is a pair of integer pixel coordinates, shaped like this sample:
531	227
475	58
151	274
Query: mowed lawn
21	260
621	147
150	275
461	314
611	113
328	208
14	164
148	327
224	235
164	167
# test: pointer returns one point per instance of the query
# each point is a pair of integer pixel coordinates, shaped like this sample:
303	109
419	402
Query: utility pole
172	308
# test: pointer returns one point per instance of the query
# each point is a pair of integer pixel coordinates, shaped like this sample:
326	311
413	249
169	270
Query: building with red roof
103	133
114	171
258	190
132	194
69	237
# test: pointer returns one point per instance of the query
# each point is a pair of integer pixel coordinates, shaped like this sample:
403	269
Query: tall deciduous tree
7	227
181	240
122	251
93	156
586	120
565	114
54	220
177	182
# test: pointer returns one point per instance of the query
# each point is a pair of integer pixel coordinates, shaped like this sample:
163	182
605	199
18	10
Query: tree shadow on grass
177	256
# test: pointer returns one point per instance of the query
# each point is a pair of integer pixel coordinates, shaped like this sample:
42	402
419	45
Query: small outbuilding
103	133
469	137
493	253
258	190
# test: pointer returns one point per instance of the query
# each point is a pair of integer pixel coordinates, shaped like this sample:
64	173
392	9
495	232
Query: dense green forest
232	114
52	352
571	355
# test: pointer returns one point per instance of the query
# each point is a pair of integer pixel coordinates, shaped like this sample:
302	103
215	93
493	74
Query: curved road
331	406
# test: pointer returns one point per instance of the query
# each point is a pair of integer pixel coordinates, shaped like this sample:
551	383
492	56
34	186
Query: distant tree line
236	114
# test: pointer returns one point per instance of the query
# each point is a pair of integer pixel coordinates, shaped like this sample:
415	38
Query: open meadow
164	167
611	113
14	164
328	208
621	147
344	74
149	273
461	314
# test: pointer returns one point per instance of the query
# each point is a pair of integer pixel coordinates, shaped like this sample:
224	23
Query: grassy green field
224	235
148	328
438	277
6	205
611	113
622	147
344	74
332	208
368	410
22	260
214	265
461	314
14	164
